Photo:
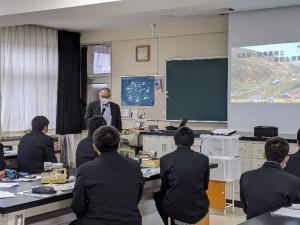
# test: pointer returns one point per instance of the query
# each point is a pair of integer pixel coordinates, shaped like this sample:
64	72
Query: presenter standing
104	107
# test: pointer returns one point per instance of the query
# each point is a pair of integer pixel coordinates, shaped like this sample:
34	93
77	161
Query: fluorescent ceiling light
200	13
9	7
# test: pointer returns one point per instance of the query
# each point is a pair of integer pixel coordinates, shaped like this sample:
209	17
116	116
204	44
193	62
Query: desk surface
171	133
268	219
245	136
12	154
20	202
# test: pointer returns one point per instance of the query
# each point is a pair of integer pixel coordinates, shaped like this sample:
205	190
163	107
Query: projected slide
266	74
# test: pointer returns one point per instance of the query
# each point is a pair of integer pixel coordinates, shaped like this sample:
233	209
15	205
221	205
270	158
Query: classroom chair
203	221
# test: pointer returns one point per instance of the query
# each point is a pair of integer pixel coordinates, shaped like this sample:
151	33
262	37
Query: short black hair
298	135
276	149
184	136
39	122
94	123
106	139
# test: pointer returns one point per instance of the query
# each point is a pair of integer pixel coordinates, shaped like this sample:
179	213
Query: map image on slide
266	74
137	91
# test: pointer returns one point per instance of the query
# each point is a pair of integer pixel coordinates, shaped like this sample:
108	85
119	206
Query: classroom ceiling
82	15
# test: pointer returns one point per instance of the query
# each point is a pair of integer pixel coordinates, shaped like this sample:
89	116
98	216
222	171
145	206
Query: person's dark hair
39	122
276	149
94	123
184	136
298	135
106	139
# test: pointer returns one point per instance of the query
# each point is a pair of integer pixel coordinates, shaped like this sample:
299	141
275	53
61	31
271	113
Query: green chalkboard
197	89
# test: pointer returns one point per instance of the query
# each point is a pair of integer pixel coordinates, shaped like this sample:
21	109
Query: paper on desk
64	187
6	194
22	179
290	212
148	172
12	152
29	193
8	185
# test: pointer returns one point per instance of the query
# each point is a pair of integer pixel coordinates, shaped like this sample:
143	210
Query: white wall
205	37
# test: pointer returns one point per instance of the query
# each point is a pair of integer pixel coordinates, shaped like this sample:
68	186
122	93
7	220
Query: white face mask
104	100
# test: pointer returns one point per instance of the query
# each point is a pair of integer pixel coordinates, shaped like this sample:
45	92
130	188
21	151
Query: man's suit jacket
293	165
268	188
34	149
2	162
85	151
108	190
184	181
94	108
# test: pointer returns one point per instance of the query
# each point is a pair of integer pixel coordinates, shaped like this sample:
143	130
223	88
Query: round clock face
142	54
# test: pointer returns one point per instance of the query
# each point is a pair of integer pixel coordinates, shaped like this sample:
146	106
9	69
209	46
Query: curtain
84	80
68	143
29	73
68	120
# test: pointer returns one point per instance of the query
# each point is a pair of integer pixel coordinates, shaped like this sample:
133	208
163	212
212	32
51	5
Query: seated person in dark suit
85	151
36	147
108	188
269	187
184	181
2	162
293	165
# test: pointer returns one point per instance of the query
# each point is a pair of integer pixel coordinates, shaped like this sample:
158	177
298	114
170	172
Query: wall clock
143	53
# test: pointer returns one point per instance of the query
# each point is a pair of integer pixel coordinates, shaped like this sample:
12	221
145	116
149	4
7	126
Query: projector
265	131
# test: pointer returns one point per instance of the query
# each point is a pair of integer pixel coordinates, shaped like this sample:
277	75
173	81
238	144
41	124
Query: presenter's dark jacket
2	162
108	190
293	165
85	151
184	181
94	108
268	188
34	149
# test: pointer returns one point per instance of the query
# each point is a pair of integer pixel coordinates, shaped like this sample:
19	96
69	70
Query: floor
216	218
151	217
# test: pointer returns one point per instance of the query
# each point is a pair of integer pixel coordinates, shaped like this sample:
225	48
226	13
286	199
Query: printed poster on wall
137	90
